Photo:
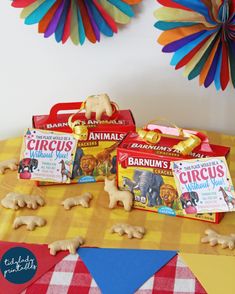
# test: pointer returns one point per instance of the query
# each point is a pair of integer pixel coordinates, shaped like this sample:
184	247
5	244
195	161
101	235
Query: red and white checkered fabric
71	276
174	278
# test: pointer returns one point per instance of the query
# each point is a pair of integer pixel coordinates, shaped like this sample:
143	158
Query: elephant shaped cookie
31	222
15	201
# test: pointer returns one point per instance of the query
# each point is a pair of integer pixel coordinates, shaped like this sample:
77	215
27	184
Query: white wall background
36	73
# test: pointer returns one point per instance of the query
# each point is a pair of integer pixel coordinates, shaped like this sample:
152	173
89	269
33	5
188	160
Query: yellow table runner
216	273
163	232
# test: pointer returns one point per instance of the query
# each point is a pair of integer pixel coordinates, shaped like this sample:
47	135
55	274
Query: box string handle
186	146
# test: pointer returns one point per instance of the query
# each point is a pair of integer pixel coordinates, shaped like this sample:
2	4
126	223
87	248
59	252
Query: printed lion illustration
88	164
168	195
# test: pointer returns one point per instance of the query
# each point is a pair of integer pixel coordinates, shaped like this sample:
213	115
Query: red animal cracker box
97	140
144	168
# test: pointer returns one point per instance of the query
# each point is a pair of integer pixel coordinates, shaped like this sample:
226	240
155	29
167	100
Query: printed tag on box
204	185
47	156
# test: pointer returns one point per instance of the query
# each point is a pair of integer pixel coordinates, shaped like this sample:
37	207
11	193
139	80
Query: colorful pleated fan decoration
76	19
201	34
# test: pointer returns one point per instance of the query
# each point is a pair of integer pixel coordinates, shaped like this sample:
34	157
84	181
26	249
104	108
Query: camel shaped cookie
15	201
115	195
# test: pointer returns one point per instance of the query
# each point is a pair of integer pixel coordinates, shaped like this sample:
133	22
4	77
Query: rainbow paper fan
201	33
77	19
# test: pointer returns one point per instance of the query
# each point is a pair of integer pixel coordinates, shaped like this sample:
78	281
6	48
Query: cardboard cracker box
145	169
96	150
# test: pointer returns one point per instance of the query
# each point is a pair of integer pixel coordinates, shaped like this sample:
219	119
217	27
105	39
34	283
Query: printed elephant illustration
77	171
189	199
30	163
128	184
149	185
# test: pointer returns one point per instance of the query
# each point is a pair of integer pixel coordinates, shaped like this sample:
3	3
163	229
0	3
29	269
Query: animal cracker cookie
227	241
115	195
15	201
131	231
82	200
72	245
30	221
99	104
11	164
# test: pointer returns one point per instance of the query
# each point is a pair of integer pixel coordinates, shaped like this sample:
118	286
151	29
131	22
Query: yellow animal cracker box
144	168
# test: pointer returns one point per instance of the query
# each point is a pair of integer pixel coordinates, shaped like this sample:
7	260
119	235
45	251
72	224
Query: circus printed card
47	156
204	185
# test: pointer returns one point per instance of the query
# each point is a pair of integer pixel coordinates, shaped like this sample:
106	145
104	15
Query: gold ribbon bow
80	131
186	146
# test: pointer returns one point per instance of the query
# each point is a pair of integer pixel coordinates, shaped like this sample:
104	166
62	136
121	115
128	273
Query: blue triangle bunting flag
123	270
